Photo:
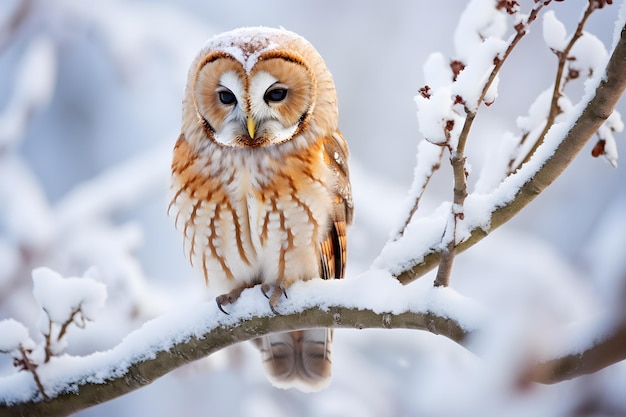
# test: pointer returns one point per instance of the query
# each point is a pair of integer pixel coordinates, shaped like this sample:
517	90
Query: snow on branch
64	301
420	248
67	384
172	340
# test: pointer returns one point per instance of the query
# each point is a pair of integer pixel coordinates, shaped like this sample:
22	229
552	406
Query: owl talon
275	298
274	310
229	298
219	305
273	295
265	288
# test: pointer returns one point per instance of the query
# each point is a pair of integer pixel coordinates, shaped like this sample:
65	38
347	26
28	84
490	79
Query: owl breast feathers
261	184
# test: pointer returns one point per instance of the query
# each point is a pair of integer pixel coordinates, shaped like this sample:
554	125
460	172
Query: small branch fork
457	155
22	359
48	337
559	84
421	188
25	363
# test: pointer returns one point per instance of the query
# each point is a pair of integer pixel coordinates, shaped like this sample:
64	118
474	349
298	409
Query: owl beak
251	127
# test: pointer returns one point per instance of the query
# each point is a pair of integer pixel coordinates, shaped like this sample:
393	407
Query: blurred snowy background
90	98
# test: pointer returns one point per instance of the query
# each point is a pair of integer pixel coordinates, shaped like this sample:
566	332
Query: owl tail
298	359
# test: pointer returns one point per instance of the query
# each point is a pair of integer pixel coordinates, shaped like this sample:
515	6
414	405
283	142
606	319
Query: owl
260	181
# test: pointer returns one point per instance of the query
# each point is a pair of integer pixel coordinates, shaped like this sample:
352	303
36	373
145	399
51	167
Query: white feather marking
232	123
267	117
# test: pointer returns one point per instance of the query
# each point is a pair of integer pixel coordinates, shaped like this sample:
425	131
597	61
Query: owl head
257	87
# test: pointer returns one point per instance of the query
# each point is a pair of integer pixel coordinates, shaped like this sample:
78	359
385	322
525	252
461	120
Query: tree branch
592	359
160	352
597	110
177	339
559	83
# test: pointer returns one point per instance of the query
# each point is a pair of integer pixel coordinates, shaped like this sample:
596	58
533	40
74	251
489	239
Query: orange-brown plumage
261	184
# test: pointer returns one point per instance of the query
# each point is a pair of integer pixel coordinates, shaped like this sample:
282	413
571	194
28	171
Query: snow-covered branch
179	338
608	350
563	142
176	339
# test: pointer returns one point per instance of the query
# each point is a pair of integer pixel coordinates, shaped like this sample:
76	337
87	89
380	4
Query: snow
14	334
479	64
437	71
536	113
619	25
433	114
230	42
590	54
478	41
61	298
375	290
492	174
479	21
554	32
613	124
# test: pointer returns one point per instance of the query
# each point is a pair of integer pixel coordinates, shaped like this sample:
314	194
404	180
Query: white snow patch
472	80
61	297
434	113
232	41
437	71
480	20
554	32
14	334
590	55
499	156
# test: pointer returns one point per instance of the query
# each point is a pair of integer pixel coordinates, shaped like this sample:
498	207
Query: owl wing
334	246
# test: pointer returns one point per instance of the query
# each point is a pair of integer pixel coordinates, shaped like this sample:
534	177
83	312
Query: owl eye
227	97
275	94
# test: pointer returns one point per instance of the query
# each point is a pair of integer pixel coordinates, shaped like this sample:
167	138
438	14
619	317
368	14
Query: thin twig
457	159
48	339
559	82
27	365
62	331
69	321
421	187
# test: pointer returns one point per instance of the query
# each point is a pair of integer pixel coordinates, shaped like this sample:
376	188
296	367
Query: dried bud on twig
424	91
449	125
511	6
456	66
572	74
598	149
598	4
